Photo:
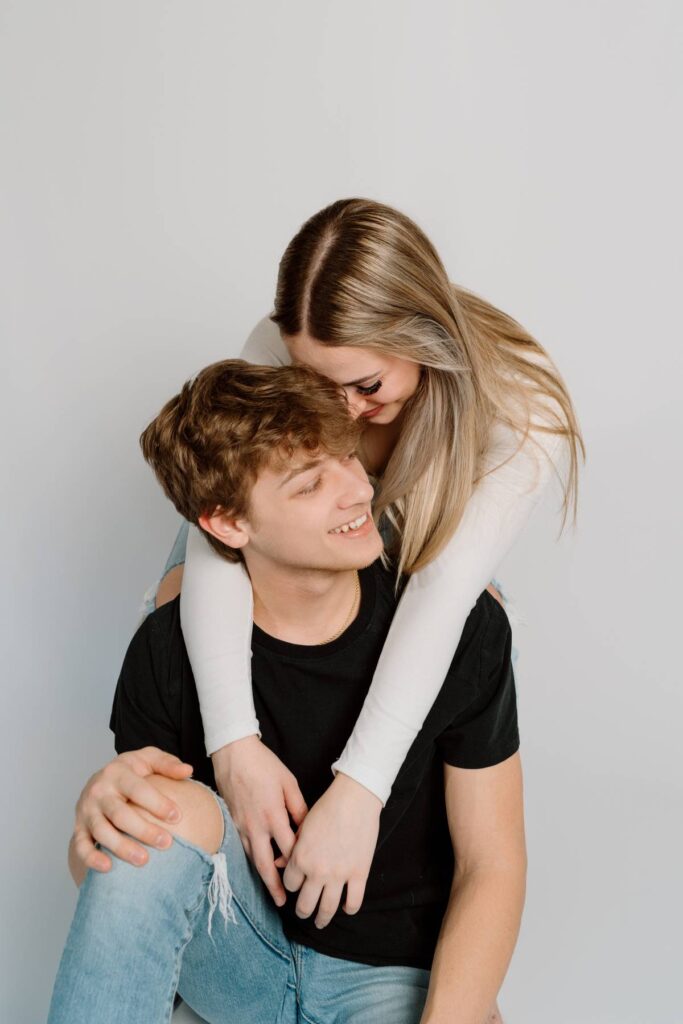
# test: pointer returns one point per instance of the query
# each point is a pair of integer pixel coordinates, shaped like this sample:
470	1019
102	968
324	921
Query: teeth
354	525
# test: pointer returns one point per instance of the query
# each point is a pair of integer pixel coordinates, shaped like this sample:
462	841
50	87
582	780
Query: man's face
315	513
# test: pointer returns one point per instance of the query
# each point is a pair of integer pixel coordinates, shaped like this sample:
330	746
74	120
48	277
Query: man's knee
202	820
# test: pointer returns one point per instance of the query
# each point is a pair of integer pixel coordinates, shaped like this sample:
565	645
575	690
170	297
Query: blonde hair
362	274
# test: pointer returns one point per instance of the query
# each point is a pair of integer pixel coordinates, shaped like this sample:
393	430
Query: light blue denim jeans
177	557
206	926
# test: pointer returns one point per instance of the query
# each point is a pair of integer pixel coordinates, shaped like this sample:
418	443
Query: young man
263	460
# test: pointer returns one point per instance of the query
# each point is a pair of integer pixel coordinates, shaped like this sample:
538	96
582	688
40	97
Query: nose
355	488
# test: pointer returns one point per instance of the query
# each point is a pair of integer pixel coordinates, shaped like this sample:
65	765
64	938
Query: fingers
355	891
126	817
329	903
146	795
105	812
152	760
308	898
265	865
87	852
293	877
294	801
284	837
246	843
120	845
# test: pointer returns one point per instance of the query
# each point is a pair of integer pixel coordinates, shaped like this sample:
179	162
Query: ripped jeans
206	926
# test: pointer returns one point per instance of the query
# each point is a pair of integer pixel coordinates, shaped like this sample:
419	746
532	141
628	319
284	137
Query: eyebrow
361	380
311	464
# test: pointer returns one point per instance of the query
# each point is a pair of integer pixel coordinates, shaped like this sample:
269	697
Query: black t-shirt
307	700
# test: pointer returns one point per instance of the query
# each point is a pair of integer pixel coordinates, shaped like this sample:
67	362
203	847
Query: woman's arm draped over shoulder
436	602
216	607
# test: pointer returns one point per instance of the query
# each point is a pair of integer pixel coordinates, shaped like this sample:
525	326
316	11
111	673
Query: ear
225	528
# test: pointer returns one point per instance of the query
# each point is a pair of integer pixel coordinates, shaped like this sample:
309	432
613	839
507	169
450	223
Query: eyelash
371	389
311	487
316	483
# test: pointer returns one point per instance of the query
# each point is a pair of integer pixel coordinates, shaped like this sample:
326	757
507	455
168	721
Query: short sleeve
487	731
139	715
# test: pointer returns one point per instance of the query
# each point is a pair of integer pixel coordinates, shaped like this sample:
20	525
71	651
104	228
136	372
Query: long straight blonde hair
362	274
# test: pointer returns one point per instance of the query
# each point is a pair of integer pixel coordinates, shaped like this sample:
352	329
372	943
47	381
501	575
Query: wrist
224	755
348	787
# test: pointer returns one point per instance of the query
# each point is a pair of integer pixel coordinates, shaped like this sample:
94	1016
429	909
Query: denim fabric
513	614
176	557
183	922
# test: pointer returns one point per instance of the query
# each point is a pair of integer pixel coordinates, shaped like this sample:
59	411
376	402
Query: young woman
467	419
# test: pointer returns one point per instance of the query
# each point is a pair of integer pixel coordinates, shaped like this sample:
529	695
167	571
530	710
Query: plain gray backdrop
157	157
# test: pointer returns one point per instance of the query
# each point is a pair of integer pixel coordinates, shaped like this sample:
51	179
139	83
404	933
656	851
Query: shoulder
488	625
496	635
389	589
161	624
157	640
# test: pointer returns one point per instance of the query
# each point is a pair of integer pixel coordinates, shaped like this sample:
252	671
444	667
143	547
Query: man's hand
107	808
261	794
334	848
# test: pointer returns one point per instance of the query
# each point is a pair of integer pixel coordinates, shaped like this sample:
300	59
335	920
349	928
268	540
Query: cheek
401	392
409	383
303	521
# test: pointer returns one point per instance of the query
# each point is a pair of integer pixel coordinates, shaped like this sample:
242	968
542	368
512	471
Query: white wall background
157	157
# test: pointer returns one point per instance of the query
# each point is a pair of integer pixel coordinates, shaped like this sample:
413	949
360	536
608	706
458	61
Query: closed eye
311	487
370	389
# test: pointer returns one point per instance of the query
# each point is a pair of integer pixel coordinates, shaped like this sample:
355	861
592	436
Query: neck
303	606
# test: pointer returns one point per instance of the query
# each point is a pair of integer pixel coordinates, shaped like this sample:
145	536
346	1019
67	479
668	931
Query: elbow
508	872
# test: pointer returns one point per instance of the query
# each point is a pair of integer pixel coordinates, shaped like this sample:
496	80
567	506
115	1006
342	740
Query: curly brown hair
209	442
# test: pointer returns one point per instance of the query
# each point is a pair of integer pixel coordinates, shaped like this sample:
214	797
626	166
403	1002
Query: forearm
216	616
433	610
476	942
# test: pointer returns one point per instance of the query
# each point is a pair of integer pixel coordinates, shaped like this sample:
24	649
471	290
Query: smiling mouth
352	526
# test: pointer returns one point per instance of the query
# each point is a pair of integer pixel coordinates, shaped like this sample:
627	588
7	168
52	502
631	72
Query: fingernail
138	857
173	816
280	901
162	841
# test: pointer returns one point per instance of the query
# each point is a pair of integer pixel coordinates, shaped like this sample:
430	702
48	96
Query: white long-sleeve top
216	607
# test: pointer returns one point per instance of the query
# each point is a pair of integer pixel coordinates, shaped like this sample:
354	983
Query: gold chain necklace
356	594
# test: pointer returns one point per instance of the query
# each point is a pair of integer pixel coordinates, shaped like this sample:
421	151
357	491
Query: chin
385	417
360	556
365	558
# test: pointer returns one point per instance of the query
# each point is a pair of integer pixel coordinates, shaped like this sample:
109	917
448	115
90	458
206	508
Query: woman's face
377	384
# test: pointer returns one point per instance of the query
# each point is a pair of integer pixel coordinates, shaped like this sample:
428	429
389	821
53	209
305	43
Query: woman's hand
261	794
108	807
334	848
